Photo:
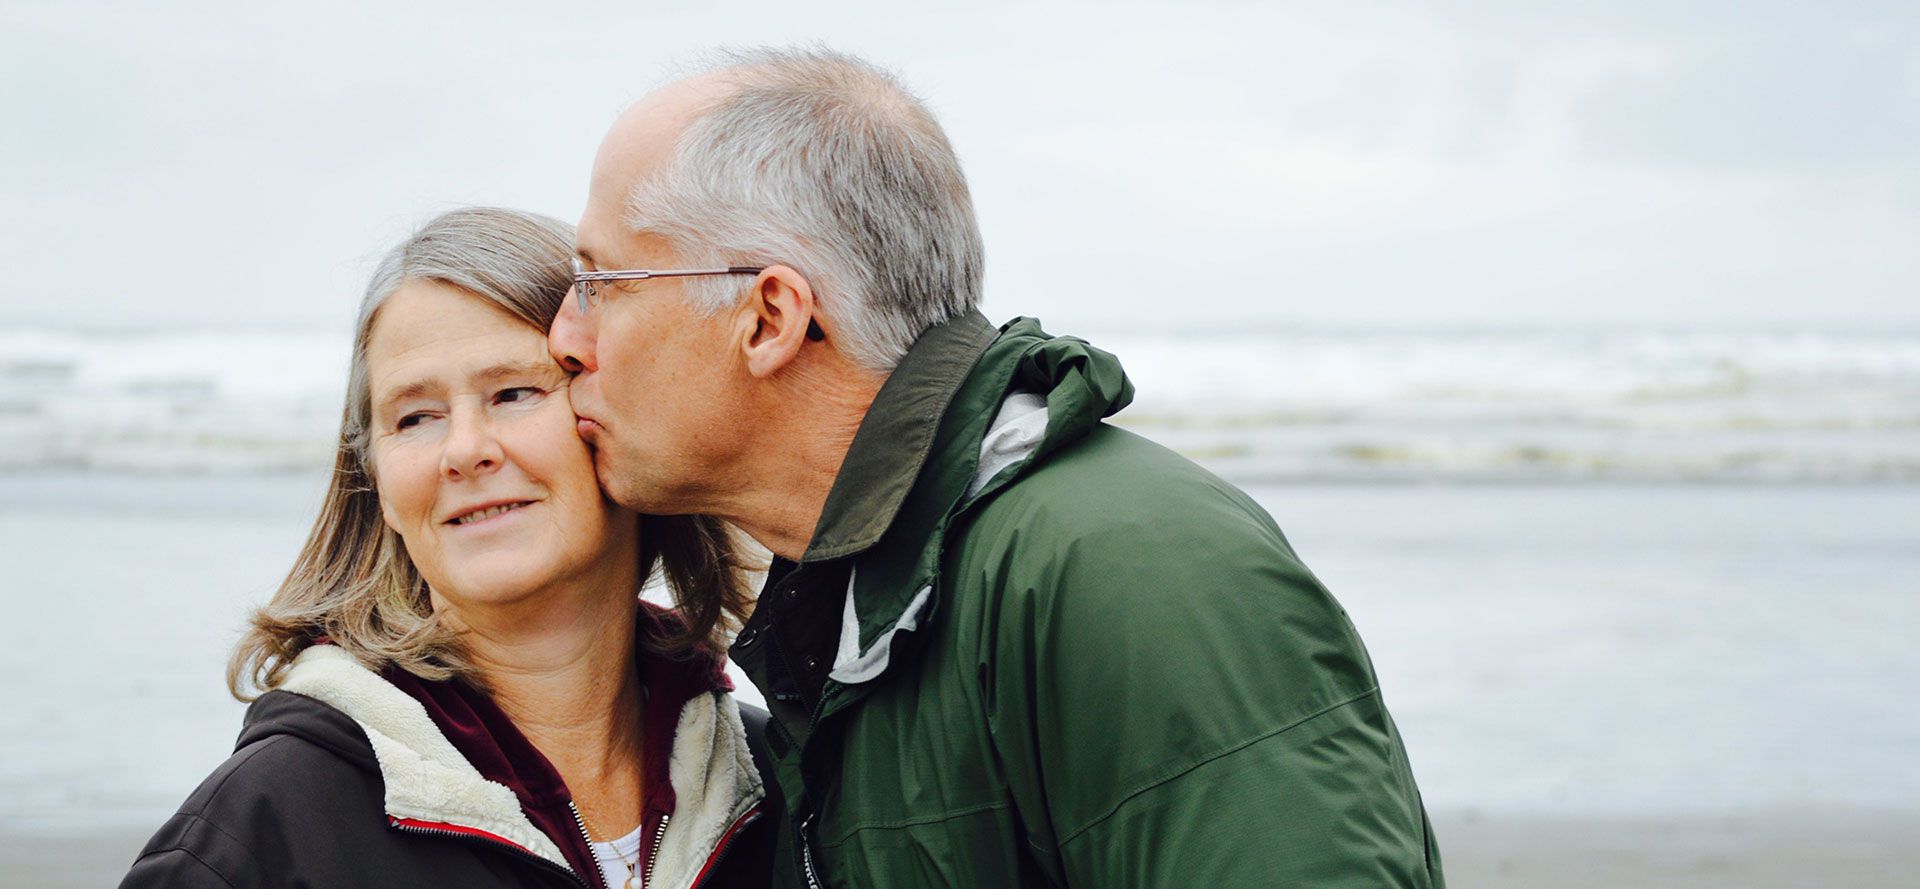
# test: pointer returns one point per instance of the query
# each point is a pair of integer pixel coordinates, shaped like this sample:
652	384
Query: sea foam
1260	406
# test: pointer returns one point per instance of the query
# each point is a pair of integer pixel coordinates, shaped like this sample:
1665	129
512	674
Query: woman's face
475	456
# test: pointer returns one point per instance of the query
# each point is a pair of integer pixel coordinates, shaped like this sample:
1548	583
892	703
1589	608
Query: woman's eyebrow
488	374
414	389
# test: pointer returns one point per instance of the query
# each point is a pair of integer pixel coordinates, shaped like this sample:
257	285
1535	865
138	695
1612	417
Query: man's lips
584	423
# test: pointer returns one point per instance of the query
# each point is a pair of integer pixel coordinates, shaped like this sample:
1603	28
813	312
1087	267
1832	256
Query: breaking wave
1320	405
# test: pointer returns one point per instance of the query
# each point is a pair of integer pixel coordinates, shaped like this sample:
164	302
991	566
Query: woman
461	686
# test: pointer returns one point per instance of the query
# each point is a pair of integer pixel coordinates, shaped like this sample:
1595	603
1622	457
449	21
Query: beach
1599	684
1858	850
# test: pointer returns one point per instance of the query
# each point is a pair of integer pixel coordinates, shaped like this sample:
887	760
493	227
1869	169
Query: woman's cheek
406	480
558	433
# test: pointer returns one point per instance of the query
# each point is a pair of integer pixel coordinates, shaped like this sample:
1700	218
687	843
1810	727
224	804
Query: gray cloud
206	162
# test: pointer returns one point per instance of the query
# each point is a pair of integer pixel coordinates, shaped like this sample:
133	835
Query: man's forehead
643	136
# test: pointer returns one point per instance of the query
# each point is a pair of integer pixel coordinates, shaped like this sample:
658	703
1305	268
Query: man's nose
471	449
571	338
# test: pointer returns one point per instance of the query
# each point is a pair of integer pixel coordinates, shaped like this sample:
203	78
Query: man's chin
604	476
614	485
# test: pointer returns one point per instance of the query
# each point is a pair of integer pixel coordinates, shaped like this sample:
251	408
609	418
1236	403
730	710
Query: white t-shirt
613	857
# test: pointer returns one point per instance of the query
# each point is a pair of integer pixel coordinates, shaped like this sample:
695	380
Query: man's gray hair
823	162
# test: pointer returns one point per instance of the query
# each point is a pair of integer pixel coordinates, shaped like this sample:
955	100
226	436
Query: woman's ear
778	320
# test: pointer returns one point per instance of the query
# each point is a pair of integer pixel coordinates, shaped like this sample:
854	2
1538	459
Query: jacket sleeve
1179	702
174	867
190	852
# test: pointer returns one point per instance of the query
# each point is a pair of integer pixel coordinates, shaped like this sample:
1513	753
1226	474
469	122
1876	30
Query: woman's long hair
353	583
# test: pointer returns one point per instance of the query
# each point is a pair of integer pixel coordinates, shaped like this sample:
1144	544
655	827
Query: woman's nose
471	449
571	338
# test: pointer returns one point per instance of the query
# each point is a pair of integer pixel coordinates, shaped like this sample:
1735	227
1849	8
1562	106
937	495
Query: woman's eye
515	394
409	421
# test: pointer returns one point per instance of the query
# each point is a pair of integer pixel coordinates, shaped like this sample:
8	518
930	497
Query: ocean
1274	405
1634	577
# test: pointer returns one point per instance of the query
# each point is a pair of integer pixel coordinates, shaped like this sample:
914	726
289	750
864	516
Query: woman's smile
486	513
475	457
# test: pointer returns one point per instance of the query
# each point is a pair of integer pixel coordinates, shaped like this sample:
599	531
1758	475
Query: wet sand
1862	850
1855	849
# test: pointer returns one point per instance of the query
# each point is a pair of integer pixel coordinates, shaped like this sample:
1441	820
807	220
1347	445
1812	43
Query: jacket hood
1081	385
1027	395
451	761
279	713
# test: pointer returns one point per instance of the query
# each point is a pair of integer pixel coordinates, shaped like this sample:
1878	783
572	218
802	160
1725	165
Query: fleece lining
714	782
427	779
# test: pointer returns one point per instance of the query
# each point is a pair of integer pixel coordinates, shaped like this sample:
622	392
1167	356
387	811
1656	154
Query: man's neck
780	495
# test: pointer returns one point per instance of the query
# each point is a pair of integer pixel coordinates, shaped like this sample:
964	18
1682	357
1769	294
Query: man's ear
778	319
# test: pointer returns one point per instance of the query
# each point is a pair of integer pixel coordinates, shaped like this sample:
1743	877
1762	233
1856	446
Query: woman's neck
567	678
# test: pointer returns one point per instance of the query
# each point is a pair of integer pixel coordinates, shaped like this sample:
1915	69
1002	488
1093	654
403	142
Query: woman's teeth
487	513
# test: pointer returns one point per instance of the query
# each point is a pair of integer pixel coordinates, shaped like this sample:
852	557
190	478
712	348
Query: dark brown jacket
346	777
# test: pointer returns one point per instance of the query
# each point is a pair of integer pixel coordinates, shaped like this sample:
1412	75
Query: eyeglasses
584	279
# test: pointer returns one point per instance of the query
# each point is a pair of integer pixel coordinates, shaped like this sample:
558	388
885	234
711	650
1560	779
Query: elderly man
1004	643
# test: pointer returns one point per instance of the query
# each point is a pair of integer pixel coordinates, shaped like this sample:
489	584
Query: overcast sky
1134	165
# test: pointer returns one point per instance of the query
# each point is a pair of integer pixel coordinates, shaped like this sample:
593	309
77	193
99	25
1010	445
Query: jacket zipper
659	834
580	821
726	842
484	840
646	877
806	853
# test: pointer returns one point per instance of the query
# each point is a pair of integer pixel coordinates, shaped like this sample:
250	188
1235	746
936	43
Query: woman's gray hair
353	583
823	162
517	261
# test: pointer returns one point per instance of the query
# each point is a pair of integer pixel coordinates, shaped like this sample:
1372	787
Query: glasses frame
584	278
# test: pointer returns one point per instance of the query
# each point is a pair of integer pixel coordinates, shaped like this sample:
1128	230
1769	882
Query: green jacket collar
894	439
893	586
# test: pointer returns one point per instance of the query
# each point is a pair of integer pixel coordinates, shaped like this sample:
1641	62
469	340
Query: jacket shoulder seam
199	813
1184	768
915	822
250	751
215	827
184	849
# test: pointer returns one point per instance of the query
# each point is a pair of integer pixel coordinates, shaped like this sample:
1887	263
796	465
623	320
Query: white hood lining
1013	436
863	666
1015	433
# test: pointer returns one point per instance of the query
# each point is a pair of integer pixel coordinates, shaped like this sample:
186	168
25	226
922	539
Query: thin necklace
633	879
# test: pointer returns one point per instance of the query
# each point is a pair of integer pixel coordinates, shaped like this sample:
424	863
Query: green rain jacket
1038	650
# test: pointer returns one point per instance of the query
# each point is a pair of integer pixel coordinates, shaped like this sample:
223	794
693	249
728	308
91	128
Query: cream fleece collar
714	780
